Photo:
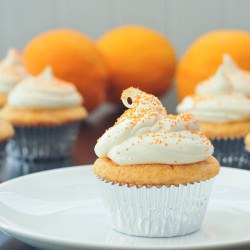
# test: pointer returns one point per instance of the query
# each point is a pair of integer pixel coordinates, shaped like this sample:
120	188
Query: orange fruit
74	58
203	57
139	57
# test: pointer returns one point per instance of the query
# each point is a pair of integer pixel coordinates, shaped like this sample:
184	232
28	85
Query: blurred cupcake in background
74	58
203	57
12	71
239	78
46	113
224	116
6	132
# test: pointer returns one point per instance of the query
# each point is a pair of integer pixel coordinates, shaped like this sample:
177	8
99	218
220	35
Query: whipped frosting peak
12	70
47	74
239	78
13	57
140	105
229	64
44	91
140	99
145	134
216	85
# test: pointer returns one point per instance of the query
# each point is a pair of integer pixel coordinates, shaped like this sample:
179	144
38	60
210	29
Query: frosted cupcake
224	116
6	132
239	78
155	170
11	72
46	113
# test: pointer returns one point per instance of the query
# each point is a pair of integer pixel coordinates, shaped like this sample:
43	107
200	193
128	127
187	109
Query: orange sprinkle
147	107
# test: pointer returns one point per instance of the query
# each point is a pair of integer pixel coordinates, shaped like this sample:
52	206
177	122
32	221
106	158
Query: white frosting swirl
12	71
218	109
217	101
145	134
44	91
216	85
239	78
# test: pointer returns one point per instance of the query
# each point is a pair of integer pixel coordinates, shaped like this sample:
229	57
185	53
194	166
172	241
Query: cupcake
239	78
6	132
155	170
11	72
224	116
46	113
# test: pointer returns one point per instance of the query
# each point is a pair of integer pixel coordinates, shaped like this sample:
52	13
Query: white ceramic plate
62	209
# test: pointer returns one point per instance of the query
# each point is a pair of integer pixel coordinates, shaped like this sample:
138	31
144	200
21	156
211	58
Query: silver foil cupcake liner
231	152
2	152
156	211
43	142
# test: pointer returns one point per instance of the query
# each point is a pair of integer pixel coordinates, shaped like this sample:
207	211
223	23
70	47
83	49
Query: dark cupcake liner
43	142
231	153
2	152
15	167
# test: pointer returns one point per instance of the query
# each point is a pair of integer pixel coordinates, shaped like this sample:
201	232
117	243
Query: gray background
182	21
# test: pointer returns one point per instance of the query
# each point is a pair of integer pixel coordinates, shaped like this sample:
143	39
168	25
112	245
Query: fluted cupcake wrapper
156	211
231	152
43	142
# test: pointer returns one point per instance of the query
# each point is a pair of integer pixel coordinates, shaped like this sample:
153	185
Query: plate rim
18	231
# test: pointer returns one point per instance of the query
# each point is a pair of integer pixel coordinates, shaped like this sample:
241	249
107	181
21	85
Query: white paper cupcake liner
156	211
231	152
43	142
